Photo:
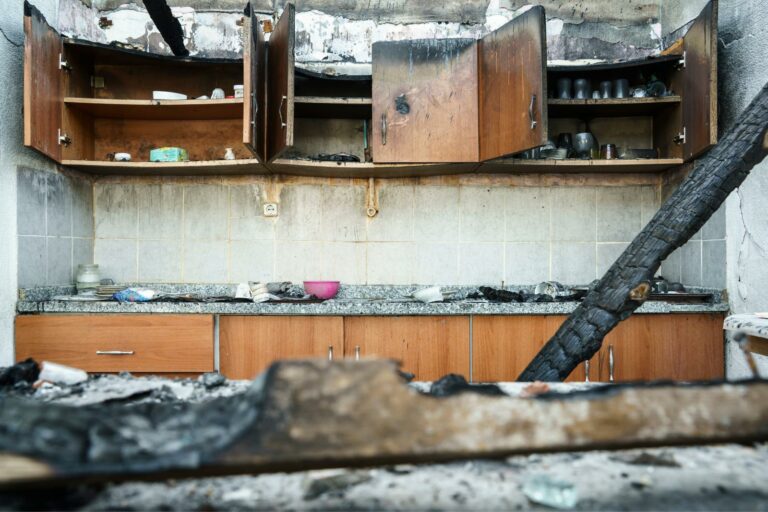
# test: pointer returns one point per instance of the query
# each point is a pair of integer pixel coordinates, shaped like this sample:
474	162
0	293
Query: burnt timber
614	298
317	414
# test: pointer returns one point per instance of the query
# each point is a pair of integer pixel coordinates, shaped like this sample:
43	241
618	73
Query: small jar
88	277
229	154
238	91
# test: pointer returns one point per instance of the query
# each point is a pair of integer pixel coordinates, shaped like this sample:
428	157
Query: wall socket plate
270	209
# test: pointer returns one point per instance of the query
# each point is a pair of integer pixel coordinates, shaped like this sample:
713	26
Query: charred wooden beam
618	293
317	414
168	25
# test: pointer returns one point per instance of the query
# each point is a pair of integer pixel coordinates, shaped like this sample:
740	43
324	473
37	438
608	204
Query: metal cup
582	89
621	88
605	89
564	88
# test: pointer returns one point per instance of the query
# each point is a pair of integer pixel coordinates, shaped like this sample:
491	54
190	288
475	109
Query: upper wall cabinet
461	100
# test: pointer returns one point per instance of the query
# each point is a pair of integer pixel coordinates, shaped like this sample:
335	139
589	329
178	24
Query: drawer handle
330	352
357	352
114	352
586	370
611	363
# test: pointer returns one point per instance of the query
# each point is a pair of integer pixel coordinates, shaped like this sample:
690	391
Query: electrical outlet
270	209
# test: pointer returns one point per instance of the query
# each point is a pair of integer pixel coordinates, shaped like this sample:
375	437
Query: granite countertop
352	301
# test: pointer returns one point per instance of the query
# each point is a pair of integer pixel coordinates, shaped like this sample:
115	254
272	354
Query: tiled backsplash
191	231
55	226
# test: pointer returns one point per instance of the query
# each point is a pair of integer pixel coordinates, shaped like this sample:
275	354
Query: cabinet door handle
611	363
114	352
383	129
530	111
330	352
357	352
586	370
280	111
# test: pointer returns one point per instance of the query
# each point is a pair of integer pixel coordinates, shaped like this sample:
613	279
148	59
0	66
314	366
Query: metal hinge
680	137
681	63
63	139
64	64
97	82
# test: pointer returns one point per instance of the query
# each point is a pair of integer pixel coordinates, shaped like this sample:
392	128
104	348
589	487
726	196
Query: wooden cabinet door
502	346
425	101
280	84
666	347
512	86
428	346
254	87
43	96
249	344
116	343
698	83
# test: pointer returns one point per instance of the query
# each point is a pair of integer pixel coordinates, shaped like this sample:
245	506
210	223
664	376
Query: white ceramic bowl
168	95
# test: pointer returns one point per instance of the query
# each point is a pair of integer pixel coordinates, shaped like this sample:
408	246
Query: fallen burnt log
316	414
627	284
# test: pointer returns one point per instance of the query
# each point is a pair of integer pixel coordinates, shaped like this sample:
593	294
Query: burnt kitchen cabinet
461	100
249	344
427	346
643	347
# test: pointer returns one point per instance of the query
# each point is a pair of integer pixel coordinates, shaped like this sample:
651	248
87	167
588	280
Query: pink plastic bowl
322	289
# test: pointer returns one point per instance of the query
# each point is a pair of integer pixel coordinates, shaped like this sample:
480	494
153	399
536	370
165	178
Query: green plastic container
168	155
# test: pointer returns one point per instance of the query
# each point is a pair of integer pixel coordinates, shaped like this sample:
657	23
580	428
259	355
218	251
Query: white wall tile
619	213
251	260
391	262
394	222
116	259
160	261
160	210
690	263
436	214
301	210
671	267
713	261
205	261
117	213
526	262
344	218
574	214
482	214
32	187
649	203
714	229
574	262
33	258
206	212
246	214
344	261
437	263
298	261
82	253
481	263
527	214
59	205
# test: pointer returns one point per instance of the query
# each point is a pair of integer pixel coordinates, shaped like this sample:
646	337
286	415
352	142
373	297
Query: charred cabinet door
512	89
425	101
280	76
43	99
699	88
254	89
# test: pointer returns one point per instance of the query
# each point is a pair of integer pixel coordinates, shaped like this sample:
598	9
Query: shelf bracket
680	137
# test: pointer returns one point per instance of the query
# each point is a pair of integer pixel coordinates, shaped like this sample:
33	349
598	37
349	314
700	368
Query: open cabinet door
42	84
699	89
280	75
425	101
512	86
254	88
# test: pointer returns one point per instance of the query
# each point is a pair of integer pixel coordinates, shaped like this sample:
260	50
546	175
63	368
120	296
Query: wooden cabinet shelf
609	107
158	109
365	169
334	108
210	167
517	165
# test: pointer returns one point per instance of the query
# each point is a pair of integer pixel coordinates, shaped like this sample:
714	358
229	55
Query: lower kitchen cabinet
100	343
645	347
249	344
428	346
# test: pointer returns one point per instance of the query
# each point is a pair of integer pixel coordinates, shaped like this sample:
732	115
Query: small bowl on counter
322	289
